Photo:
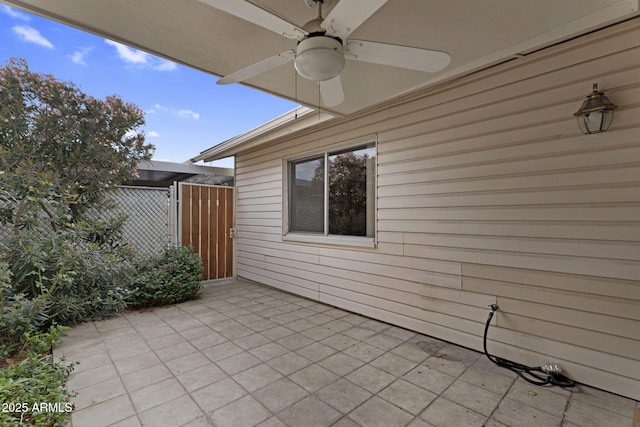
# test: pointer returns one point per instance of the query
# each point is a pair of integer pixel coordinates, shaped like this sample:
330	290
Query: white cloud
185	113
153	134
31	35
141	59
14	13
129	55
78	57
165	65
189	114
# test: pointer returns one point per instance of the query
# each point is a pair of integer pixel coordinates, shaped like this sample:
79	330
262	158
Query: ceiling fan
323	44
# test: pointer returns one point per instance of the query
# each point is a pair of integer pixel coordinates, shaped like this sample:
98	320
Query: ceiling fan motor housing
319	58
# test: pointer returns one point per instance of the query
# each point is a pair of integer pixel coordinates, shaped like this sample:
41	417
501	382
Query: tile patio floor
245	354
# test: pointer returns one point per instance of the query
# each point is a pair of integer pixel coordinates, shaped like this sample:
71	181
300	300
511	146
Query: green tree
348	194
61	151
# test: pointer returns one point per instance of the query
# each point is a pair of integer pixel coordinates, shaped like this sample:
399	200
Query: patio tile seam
316	393
172	326
137	414
487	418
495	408
115	369
174	377
271	413
566	408
541	409
344	377
384	349
111	363
79	391
209	414
364	402
441	394
504	396
252	366
514	383
163	363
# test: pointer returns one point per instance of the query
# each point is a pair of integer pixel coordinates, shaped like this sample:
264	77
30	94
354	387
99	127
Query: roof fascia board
289	122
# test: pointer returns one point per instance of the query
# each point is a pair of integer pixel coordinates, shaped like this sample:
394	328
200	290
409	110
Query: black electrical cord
538	375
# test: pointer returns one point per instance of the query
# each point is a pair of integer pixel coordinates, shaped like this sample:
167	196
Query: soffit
476	34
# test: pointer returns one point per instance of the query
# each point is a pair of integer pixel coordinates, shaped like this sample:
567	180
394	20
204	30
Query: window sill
352	241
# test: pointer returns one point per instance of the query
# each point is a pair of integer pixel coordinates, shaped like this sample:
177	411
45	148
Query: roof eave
291	121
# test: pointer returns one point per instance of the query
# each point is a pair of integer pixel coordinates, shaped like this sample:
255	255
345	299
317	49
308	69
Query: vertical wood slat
186	214
213	252
228	225
204	231
207	215
213	221
194	230
220	227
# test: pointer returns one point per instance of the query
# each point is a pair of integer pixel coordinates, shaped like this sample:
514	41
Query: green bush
70	278
19	315
61	152
169	278
32	388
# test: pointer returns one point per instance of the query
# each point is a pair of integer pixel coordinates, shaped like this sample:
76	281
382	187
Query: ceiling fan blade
331	91
348	15
251	13
412	58
258	68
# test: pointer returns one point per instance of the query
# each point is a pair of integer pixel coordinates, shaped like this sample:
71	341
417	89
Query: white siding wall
487	192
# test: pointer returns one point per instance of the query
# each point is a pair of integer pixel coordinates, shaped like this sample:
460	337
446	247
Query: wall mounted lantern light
596	113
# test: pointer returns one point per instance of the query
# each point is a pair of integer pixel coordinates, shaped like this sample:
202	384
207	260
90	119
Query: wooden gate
206	217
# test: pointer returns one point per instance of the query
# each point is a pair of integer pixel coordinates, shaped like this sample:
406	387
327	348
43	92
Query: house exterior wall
486	193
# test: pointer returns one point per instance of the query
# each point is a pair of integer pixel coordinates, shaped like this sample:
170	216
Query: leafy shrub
171	277
72	279
19	315
33	380
61	152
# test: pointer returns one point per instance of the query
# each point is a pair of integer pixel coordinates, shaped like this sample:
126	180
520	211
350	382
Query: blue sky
186	112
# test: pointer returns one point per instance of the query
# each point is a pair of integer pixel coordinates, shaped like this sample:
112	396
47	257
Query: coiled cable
538	375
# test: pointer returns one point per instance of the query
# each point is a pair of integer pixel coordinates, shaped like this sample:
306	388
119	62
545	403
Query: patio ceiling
476	34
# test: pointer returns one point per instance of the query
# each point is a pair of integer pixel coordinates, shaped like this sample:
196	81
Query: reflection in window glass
306	201
351	183
344	205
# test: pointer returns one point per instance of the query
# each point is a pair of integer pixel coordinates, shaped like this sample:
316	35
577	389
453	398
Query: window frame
325	238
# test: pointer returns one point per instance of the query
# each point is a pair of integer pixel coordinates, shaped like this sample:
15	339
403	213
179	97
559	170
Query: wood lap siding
487	192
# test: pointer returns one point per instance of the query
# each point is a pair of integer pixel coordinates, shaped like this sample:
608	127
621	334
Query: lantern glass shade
595	122
596	113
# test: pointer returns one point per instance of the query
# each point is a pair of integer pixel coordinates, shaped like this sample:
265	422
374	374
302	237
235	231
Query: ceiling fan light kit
324	44
319	58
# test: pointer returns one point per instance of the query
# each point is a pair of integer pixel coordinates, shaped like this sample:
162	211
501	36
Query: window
334	193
